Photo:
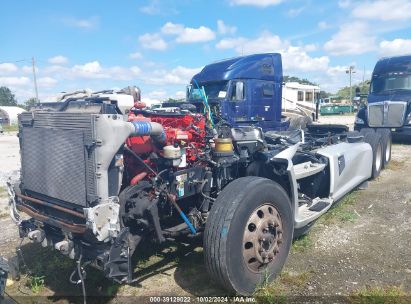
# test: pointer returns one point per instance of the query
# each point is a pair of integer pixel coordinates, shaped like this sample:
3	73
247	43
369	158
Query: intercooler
386	114
58	159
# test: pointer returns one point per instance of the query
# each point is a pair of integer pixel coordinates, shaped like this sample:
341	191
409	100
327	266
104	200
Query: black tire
387	145
364	131
375	141
299	232
227	225
299	122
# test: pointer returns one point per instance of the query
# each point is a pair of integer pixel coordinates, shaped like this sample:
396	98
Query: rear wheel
248	234
375	141
364	131
386	142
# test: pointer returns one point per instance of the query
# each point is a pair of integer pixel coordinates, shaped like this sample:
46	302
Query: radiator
57	158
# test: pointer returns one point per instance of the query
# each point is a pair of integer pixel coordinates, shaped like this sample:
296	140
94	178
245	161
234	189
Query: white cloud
89	70
224	29
200	34
353	38
384	10
156	7
265	43
172	28
46	82
179	75
135	70
87	23
58	60
93	70
135	55
14	81
344	3
159	94
153	41
7	68
294	12
310	47
322	25
295	58
180	95
259	3
188	34
395	47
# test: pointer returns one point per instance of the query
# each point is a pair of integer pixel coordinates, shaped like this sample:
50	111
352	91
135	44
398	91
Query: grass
275	292
36	283
3	191
302	244
297	280
12	128
380	295
395	165
342	212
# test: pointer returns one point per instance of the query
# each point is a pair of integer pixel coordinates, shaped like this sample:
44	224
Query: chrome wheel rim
388	151
378	158
263	236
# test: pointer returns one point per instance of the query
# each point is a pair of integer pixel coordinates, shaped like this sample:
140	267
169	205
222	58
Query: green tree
345	91
287	78
173	100
31	102
7	97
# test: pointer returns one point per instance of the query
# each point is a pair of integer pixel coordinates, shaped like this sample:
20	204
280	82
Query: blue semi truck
246	90
389	100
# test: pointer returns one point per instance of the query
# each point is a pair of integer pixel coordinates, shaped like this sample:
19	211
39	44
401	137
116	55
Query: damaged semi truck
97	184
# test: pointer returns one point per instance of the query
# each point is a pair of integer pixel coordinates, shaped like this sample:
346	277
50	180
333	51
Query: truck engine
96	183
108	180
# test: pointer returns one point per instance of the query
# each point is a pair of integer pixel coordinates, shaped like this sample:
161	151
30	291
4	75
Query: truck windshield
390	82
213	90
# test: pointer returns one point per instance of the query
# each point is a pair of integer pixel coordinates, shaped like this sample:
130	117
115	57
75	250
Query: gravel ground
347	120
339	256
9	157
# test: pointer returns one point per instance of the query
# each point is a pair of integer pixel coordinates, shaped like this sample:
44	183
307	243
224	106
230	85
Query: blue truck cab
247	90
389	99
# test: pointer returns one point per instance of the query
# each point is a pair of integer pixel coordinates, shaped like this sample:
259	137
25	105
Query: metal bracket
14	214
103	219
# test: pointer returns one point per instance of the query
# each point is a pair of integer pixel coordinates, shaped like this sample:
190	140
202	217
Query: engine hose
80	275
141	161
81	279
153	129
172	199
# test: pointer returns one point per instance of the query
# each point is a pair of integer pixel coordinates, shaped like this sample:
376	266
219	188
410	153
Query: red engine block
186	130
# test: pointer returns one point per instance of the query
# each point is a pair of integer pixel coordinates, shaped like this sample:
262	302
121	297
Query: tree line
7	98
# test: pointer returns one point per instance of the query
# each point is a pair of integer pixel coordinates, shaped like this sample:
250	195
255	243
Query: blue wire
205	102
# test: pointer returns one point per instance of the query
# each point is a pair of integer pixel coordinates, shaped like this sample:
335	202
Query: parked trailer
335	109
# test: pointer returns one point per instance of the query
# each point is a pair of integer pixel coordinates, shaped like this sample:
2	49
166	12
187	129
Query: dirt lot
362	246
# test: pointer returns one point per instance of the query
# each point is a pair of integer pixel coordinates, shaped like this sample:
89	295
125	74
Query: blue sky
158	45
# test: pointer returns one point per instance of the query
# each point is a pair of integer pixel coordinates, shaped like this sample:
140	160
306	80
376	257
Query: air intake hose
153	129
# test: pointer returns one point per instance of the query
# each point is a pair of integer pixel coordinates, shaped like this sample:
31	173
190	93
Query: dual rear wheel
380	141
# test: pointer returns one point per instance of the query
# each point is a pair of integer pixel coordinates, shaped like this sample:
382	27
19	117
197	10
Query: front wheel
248	234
